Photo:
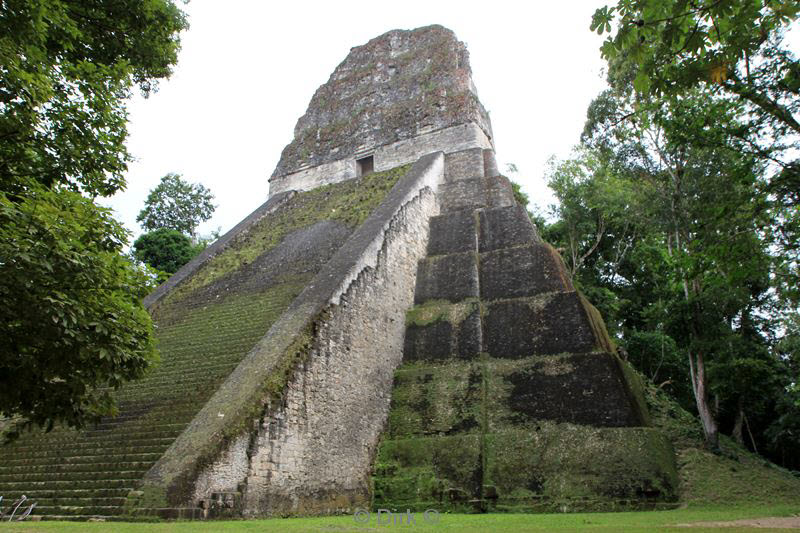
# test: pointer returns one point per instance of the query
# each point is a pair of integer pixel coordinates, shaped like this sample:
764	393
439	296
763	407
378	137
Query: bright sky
248	69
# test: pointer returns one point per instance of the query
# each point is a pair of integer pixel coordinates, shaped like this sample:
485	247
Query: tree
68	67
736	50
176	204
736	44
165	249
667	216
73	326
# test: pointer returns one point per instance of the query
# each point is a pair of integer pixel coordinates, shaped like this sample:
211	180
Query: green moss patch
735	477
442	473
518	459
437	310
348	202
563	463
436	400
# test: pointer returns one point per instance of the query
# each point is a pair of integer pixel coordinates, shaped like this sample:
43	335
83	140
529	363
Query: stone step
44	447
74	476
75	518
64	468
588	389
141	391
505	227
453	233
104	439
70	457
435	398
39	495
62	485
439	331
69	501
452	277
522	271
464	164
59	512
476	193
165	416
546	324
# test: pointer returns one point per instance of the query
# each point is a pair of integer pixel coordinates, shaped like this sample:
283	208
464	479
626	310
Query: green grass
629	521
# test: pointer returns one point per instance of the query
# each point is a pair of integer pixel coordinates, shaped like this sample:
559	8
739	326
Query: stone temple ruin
388	330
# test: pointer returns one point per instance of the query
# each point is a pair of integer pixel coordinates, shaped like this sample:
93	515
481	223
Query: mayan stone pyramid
388	330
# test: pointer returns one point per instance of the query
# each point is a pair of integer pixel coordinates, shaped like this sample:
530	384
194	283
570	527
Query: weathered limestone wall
305	408
399	85
314	452
451	139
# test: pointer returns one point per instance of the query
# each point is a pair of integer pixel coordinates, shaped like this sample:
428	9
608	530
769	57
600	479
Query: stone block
445	399
453	233
504	227
521	271
462	194
489	163
464	164
476	193
587	388
498	192
429	342
442	473
451	277
442	331
550	323
563	467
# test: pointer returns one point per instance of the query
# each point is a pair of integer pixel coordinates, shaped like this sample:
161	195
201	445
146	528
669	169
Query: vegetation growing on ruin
436	310
427	92
348	202
679	210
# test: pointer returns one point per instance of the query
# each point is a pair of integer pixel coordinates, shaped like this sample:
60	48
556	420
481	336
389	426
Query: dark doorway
365	165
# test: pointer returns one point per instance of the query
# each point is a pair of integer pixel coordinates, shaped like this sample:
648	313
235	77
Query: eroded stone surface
549	324
521	271
505	227
453	233
395	87
452	277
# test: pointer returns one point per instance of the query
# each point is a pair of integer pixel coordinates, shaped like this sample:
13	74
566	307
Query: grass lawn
629	521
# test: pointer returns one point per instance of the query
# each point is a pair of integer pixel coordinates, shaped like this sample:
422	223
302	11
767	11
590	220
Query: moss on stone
437	310
635	390
440	472
513	464
440	399
348	202
598	325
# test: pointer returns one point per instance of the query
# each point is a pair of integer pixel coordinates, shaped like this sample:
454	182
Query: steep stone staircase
204	329
510	395
88	474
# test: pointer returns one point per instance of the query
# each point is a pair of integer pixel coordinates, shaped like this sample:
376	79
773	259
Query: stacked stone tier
510	395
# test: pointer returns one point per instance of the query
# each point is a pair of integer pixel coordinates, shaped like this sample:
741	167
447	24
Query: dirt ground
790	522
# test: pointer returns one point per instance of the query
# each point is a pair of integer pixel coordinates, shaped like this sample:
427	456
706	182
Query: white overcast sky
248	69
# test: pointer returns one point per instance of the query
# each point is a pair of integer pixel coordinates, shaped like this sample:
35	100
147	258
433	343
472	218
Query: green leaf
641	82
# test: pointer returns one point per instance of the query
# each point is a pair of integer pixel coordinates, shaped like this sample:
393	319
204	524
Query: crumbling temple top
399	96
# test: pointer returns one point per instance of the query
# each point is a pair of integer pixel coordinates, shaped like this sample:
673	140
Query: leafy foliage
734	49
72	327
176	204
68	67
663	223
165	249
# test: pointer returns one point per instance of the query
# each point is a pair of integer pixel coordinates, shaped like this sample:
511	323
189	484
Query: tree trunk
698	374
739	424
